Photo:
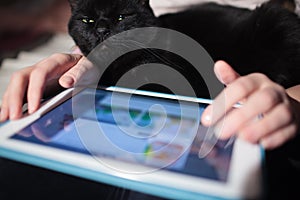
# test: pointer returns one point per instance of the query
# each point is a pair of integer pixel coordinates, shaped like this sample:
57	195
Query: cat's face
93	21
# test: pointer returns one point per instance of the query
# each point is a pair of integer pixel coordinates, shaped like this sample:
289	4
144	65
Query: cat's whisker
143	46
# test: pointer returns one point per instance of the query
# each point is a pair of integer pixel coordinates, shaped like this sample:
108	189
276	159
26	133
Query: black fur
265	40
106	13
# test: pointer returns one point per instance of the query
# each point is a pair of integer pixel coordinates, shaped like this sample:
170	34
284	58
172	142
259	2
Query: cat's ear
73	3
144	2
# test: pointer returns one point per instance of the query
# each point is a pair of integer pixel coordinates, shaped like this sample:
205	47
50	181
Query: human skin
257	94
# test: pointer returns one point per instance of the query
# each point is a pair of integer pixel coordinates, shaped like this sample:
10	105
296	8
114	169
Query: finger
46	70
4	108
35	89
231	95
58	64
83	73
76	50
278	137
279	117
241	117
14	96
225	73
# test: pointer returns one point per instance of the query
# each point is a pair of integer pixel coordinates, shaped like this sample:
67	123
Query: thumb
83	73
225	73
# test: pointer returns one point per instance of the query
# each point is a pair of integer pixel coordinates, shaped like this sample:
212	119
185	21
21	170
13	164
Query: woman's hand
268	115
32	82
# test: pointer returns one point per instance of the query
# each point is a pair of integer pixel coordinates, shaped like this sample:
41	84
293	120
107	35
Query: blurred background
31	30
25	24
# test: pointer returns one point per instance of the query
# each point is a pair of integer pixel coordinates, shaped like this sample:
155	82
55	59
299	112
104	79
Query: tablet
144	141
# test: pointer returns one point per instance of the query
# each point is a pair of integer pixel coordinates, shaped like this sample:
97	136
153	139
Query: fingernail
2	118
68	81
31	108
76	50
208	114
217	131
220	131
265	143
207	118
13	114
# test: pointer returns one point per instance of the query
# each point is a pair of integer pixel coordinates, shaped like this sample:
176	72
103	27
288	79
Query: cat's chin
100	42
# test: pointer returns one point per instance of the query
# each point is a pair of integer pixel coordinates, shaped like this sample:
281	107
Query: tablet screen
141	133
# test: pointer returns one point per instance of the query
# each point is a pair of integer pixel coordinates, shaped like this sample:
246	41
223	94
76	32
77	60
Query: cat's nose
102	30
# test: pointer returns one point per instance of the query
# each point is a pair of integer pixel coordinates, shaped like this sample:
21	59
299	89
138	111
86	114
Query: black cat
265	40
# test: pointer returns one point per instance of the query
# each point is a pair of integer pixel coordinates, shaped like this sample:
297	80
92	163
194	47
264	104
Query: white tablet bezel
245	176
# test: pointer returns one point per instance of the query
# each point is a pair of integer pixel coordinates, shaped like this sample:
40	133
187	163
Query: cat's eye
121	17
124	16
87	21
